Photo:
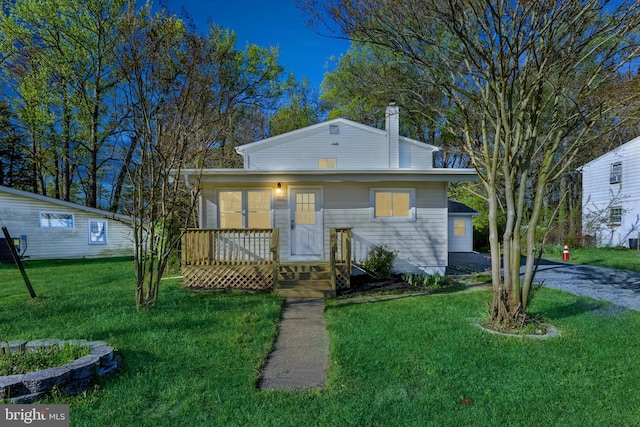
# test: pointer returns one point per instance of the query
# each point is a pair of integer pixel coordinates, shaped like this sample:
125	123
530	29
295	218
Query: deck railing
339	254
202	247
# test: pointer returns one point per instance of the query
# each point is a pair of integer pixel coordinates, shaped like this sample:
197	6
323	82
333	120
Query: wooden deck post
275	255
333	250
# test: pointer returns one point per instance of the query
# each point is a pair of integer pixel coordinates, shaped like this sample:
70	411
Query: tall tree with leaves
523	78
186	93
60	67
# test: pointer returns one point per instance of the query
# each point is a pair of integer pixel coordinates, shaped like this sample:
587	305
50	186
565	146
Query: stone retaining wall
72	378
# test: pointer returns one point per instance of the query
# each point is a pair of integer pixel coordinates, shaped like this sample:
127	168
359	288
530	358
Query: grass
21	362
619	258
194	358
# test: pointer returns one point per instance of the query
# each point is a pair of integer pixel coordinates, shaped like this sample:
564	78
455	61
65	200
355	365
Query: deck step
305	289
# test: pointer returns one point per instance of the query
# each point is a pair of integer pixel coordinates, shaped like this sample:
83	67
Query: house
611	196
47	228
374	185
460	226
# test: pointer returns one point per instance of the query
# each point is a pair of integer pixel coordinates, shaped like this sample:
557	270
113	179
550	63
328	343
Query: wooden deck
250	259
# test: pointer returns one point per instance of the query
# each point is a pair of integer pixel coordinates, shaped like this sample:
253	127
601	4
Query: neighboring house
611	196
48	228
340	174
460	227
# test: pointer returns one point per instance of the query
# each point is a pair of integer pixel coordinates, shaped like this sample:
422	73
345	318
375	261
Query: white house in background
48	228
611	196
338	173
460	227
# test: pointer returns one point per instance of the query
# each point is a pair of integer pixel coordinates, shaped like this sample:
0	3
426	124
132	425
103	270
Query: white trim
412	217
244	201
103	240
73	220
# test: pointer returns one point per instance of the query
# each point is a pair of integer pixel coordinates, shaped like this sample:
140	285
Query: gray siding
599	193
21	216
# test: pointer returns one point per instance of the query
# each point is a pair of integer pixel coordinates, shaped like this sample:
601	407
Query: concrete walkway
300	359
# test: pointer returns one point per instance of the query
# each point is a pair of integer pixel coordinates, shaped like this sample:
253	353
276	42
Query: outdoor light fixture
279	188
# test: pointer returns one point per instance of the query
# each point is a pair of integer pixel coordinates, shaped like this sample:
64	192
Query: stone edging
552	332
72	378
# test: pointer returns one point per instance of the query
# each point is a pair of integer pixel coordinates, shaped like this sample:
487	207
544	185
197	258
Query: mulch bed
365	285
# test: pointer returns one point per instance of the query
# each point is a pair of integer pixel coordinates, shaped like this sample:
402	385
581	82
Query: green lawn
193	360
620	258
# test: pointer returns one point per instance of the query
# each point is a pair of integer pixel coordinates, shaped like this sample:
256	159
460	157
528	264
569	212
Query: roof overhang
333	175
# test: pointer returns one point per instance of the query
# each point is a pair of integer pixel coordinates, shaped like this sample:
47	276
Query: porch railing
204	247
340	255
250	258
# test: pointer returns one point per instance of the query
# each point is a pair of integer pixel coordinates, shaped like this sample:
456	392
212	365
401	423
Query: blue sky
269	23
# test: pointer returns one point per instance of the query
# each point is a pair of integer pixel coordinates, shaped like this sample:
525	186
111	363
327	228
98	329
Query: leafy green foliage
379	261
426	281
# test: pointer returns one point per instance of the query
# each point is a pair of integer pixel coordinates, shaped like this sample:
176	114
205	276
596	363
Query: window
56	220
244	209
334	130
459	227
615	216
615	176
97	232
393	204
326	163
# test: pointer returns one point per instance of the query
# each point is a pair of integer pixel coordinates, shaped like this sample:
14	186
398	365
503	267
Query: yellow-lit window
459	227
245	209
305	208
230	209
259	209
392	204
326	163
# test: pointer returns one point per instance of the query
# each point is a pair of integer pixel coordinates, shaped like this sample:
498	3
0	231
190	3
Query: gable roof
243	149
616	150
63	203
460	208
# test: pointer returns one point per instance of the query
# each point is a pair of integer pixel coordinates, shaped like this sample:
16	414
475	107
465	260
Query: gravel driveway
619	287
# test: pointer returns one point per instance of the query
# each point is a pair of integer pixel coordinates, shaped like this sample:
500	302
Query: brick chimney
392	126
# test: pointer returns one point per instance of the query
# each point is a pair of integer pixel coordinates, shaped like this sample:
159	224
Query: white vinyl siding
21	216
460	233
599	194
355	147
421	243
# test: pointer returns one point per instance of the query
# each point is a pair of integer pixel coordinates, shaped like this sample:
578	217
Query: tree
522	79
302	108
369	76
59	68
186	94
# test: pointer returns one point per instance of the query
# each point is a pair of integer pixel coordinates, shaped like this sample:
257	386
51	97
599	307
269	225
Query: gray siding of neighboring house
21	216
598	194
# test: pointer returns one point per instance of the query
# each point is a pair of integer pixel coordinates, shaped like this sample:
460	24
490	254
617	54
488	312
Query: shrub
379	261
425	281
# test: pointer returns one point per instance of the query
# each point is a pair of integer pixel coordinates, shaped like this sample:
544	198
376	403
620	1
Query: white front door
306	222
